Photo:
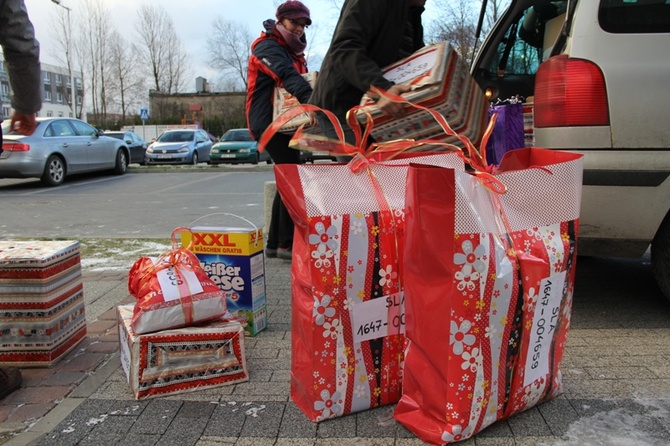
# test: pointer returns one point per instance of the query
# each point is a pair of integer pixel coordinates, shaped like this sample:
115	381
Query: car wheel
121	162
257	159
194	160
54	171
660	256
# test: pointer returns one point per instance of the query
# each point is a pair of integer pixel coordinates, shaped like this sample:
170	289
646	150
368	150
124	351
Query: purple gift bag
508	131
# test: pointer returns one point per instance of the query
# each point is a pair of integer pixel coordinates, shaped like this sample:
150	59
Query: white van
596	73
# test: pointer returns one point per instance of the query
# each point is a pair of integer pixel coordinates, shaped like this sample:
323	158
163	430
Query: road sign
144	114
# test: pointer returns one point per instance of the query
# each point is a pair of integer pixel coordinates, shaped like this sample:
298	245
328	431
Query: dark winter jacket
367	38
272	64
22	56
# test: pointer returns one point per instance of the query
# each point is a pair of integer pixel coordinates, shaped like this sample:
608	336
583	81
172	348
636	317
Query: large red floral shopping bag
488	280
347	303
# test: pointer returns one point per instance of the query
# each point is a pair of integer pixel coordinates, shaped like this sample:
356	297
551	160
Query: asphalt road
134	205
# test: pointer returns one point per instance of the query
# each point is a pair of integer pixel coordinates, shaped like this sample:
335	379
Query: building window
47	77
2	66
6	111
47	95
67	81
5	88
59	98
60	114
49	113
59	79
77	82
78	100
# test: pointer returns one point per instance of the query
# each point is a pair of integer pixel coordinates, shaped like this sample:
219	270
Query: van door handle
65	145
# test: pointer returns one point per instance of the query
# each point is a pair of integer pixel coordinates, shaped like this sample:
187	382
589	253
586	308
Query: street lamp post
69	57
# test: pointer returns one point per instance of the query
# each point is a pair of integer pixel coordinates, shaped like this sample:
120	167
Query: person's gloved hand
23	123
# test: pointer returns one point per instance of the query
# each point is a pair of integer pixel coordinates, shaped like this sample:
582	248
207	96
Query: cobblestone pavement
616	382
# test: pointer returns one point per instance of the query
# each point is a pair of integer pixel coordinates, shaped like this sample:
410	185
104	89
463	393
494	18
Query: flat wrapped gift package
233	259
440	79
181	360
42	314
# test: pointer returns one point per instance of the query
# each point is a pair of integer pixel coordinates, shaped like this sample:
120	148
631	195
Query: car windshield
176	137
239	135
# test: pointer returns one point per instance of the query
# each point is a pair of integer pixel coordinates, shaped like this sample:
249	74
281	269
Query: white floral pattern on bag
322	310
328	404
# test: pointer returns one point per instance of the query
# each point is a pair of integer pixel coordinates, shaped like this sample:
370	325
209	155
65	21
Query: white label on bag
547	308
378	318
171	282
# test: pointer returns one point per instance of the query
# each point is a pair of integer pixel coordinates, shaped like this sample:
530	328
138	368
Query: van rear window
634	16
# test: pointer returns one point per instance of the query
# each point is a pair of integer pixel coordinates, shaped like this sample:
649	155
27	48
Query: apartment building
56	91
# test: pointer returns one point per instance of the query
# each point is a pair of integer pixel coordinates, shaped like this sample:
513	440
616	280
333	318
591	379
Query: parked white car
597	72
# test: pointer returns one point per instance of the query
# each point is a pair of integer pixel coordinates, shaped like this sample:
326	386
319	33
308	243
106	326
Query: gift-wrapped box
233	259
42	311
181	360
283	100
440	80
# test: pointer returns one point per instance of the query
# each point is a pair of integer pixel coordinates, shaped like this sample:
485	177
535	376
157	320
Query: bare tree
96	29
161	50
64	52
127	83
229	48
456	24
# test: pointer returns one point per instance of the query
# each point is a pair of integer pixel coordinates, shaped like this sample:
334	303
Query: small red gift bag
173	291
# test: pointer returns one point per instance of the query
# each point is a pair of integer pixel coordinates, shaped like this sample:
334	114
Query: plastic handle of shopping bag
230	215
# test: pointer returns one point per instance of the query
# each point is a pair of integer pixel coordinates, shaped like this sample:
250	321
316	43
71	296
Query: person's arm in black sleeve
361	21
22	52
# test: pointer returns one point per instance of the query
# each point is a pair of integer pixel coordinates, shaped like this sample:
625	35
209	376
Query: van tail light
570	93
15	147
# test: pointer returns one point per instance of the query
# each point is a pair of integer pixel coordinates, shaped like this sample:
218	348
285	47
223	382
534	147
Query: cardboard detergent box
441	81
42	311
233	258
181	360
283	100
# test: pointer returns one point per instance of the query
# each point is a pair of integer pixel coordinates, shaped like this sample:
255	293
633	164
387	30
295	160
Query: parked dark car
309	157
237	146
135	144
60	147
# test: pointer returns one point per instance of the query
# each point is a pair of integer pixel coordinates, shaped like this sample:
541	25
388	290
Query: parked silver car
60	147
181	146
